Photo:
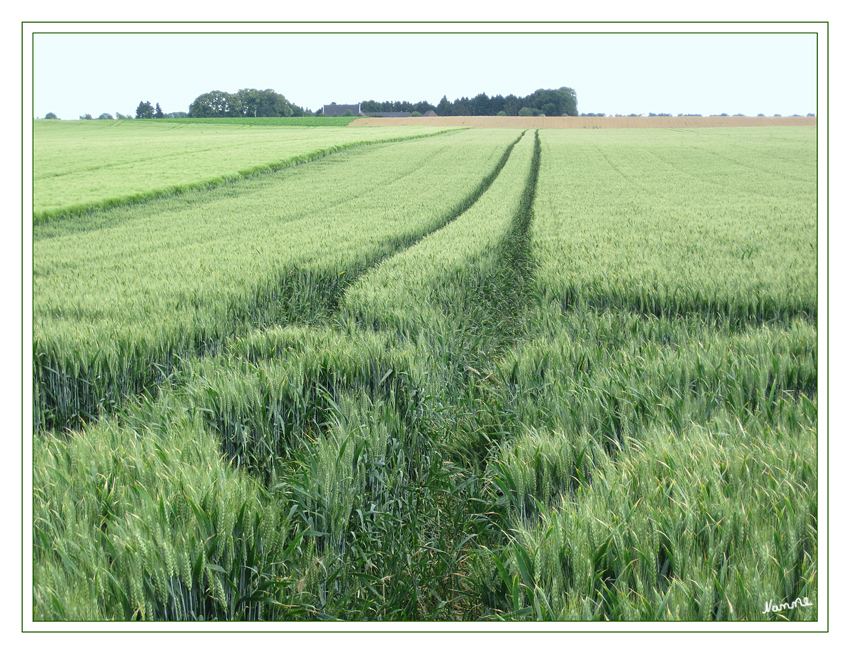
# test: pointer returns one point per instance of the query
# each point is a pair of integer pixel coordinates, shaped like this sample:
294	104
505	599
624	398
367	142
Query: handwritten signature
772	607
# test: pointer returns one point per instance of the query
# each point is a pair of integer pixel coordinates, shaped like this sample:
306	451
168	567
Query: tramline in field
490	374
667	382
79	166
114	304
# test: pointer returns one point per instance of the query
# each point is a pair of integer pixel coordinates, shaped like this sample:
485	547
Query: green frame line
25	214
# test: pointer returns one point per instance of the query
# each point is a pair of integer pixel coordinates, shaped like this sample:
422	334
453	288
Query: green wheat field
289	372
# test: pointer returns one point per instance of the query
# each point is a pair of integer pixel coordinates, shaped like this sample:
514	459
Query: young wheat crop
479	375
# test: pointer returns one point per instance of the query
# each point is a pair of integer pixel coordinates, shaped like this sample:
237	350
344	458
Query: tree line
144	110
255	103
548	102
219	104
244	103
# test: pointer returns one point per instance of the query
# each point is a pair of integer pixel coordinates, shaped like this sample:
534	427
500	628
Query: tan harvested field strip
589	122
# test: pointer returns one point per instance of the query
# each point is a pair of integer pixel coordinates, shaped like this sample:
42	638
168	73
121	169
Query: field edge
590	122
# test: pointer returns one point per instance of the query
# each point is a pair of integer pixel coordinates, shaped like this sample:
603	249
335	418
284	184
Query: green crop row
709	523
668	224
599	397
328	419
452	270
87	165
148	525
115	303
490	419
271	387
662	461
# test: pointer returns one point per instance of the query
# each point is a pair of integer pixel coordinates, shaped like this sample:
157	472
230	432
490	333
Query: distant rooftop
335	109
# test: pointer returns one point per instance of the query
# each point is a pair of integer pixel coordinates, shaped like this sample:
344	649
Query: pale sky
753	73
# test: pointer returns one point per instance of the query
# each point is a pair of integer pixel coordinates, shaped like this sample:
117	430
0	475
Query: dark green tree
562	99
51	116
215	104
462	107
569	101
105	116
158	113
550	109
144	110
444	108
497	105
267	103
512	105
481	105
422	107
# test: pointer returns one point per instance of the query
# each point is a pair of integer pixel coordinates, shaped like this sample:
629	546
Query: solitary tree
51	116
144	110
105	116
158	113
